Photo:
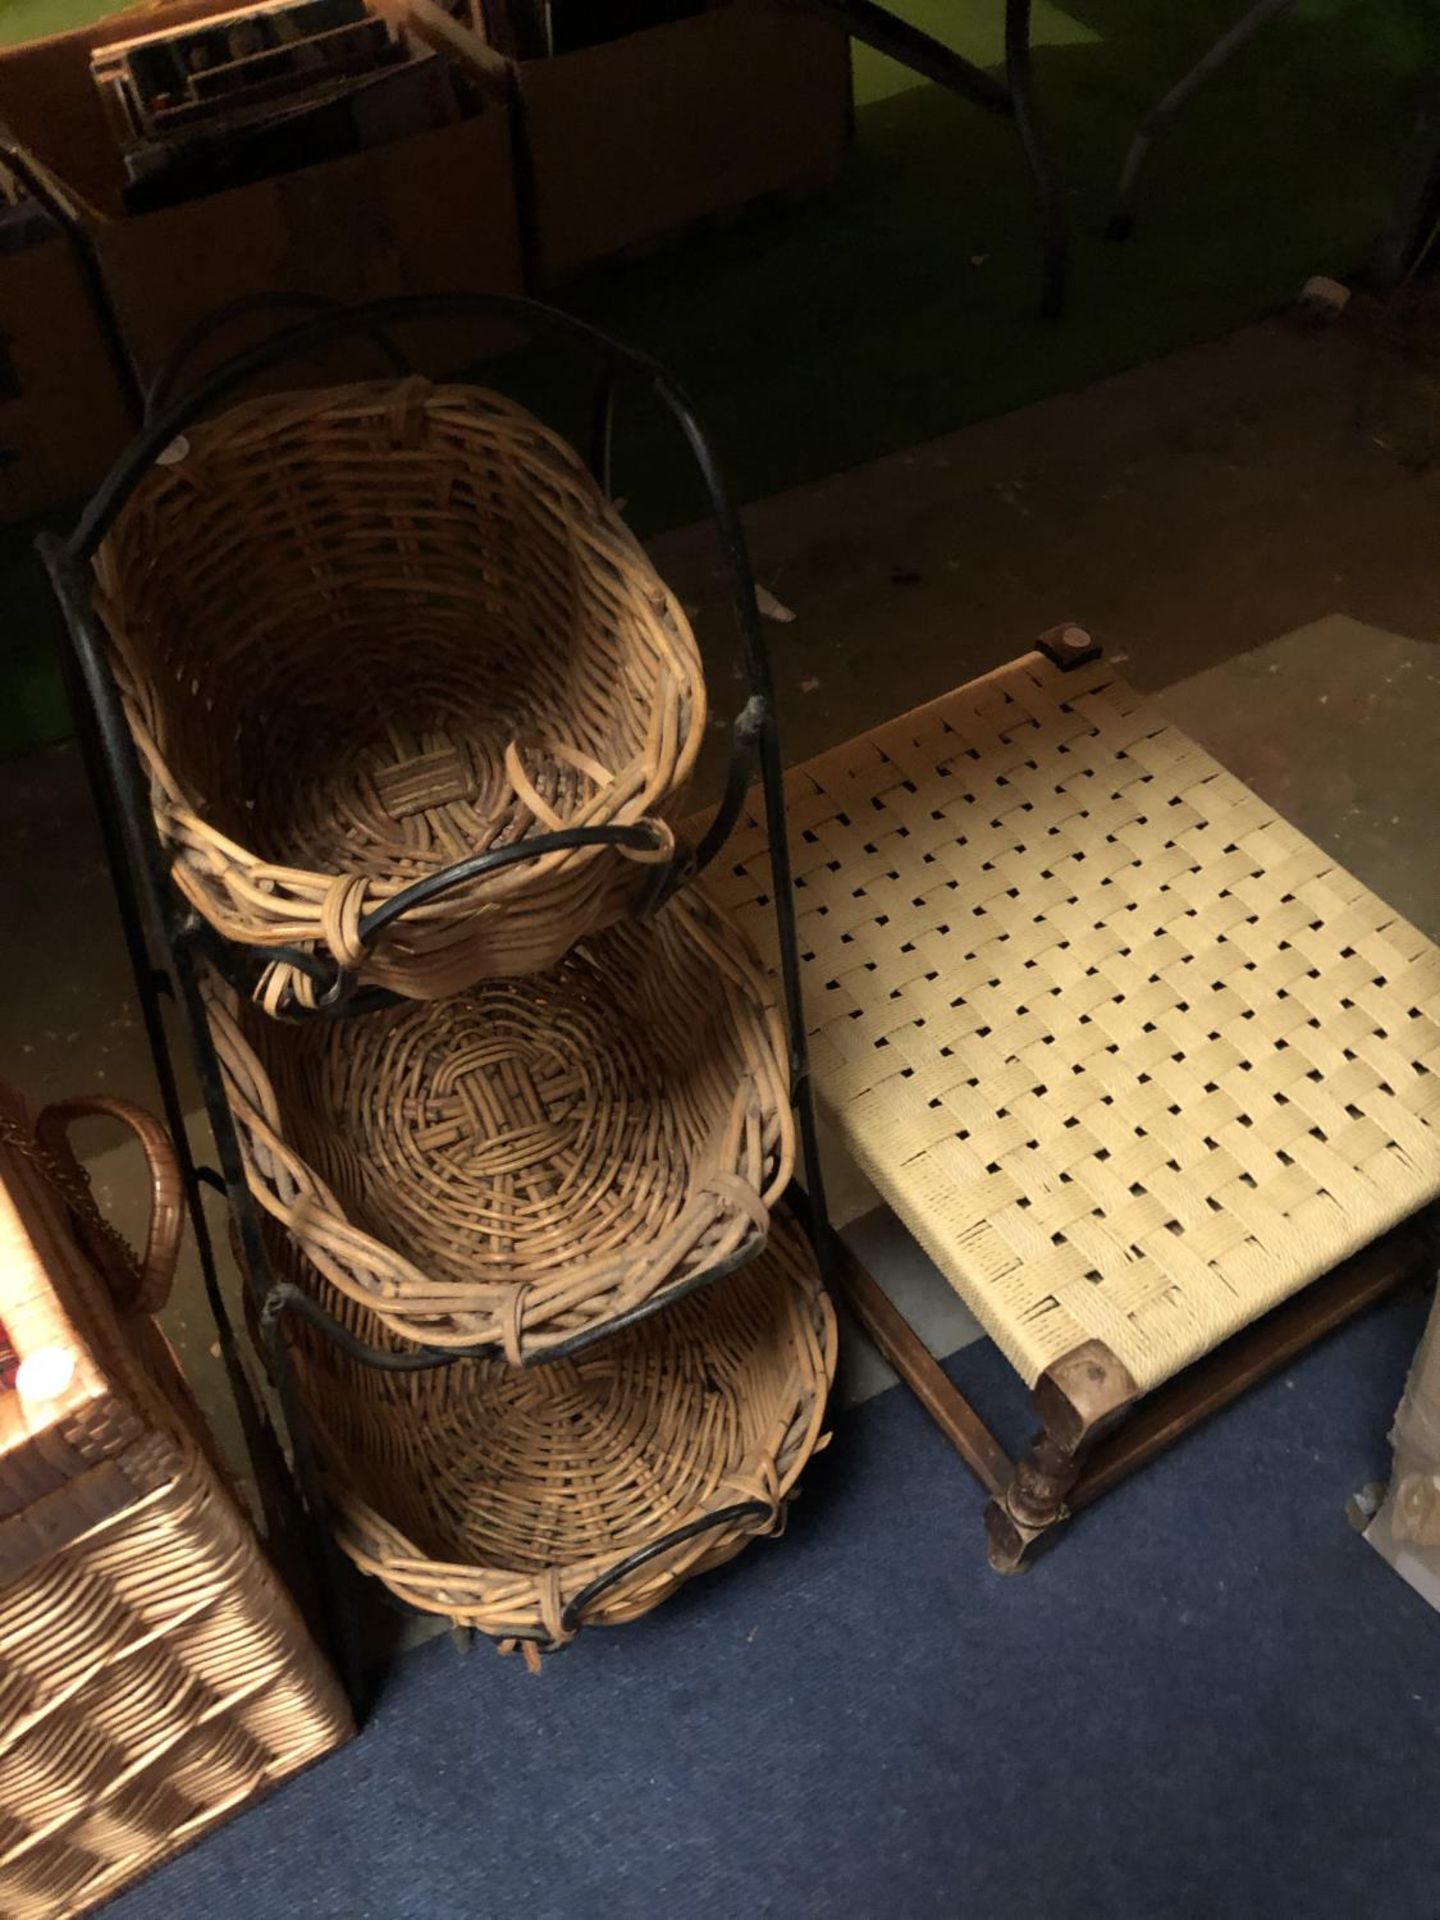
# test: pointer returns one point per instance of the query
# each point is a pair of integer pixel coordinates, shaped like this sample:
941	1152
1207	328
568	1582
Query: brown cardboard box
62	420
431	212
633	139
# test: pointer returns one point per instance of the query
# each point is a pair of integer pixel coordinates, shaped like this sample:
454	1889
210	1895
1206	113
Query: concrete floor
1234	524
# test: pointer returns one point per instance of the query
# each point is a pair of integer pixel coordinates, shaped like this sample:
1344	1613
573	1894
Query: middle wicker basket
537	1161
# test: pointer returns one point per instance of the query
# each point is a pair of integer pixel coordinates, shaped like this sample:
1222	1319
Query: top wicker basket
364	634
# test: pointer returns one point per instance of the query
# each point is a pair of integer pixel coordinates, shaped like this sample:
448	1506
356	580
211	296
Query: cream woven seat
1131	1057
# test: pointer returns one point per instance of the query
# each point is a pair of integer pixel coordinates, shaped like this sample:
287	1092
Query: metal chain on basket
73	1189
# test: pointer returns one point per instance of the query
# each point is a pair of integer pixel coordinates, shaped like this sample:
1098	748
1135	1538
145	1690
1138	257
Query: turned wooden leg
1076	1399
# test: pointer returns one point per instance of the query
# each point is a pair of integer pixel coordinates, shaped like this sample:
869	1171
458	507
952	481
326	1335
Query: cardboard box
634	139
626	142
434	213
431	212
62	419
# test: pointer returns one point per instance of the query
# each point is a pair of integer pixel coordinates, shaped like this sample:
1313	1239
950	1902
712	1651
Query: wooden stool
1154	1082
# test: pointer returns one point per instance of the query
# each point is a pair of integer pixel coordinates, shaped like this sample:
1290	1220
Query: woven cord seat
535	1160
363	634
1131	1057
527	1503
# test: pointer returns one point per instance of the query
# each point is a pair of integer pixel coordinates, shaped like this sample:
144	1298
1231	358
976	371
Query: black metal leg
302	1534
897	39
1122	221
140	888
340	1629
1039	155
875	26
1411	227
149	985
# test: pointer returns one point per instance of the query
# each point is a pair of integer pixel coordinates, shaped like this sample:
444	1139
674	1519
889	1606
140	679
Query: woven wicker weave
155	1676
496	1497
535	1159
1131	1057
363	633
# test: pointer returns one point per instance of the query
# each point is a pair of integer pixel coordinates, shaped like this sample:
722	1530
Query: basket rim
526	1318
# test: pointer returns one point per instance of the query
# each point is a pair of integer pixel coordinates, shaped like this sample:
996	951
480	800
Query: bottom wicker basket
526	1504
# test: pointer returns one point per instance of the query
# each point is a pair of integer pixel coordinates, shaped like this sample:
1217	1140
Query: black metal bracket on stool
168	943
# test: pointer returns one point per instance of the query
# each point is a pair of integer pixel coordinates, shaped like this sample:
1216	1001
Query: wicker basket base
496	1497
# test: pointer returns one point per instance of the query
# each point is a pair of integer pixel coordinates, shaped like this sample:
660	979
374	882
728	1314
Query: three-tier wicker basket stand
371	1319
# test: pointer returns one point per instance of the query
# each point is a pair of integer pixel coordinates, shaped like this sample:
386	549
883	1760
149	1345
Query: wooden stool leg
1076	1399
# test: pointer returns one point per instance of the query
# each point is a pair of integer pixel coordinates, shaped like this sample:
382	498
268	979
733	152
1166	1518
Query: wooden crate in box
154	1675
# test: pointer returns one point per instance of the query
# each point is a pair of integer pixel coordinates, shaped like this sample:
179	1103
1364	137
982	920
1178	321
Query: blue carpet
1212	1699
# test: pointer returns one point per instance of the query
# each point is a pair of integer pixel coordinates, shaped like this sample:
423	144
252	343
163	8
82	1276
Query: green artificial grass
22	20
900	303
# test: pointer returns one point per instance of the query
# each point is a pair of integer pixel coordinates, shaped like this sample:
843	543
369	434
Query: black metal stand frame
167	941
73	232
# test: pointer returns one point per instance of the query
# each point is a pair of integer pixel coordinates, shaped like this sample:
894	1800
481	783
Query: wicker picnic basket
536	1160
364	634
155	1676
526	1503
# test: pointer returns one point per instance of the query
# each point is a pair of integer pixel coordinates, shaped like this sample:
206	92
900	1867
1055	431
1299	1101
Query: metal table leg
1408	232
1122	221
877	27
1040	157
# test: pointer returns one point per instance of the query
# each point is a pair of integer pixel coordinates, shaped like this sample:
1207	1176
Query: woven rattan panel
155	1678
1131	1057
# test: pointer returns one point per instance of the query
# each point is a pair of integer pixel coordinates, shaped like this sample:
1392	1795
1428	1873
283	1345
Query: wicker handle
644	840
573	1617
147	1290
648	842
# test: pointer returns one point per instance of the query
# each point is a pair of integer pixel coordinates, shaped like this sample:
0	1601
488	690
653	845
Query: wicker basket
528	1503
536	1160
155	1675
366	633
